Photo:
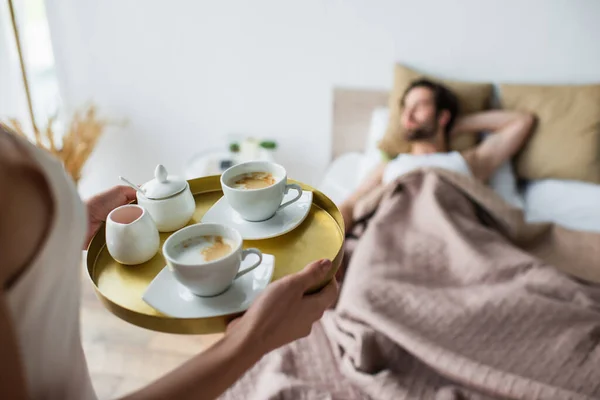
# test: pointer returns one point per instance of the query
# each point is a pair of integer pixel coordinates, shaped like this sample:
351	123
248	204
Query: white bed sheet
572	204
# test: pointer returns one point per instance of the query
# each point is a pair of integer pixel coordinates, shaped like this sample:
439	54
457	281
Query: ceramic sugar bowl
168	199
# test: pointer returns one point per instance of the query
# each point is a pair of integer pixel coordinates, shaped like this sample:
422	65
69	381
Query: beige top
44	301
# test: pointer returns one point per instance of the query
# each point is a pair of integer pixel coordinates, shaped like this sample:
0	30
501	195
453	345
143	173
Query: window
38	58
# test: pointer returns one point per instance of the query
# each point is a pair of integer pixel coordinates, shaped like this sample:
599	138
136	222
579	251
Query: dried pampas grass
77	144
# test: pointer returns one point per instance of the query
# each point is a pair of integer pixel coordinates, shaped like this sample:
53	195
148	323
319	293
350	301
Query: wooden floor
122	357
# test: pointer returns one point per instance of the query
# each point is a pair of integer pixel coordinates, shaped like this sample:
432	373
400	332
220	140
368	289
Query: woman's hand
283	313
99	206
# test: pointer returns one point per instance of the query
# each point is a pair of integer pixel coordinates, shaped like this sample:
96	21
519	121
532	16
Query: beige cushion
472	97
566	142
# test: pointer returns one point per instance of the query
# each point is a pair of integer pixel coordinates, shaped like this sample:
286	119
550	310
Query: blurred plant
77	143
234	147
268	144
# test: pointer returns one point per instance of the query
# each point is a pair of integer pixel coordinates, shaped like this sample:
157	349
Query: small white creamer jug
131	235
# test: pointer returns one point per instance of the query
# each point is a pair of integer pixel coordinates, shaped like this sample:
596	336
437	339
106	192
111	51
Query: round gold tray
120	287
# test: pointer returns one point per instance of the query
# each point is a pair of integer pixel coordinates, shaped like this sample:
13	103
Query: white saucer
281	223
171	298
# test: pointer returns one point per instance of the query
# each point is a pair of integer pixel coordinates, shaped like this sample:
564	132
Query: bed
448	294
447	291
360	117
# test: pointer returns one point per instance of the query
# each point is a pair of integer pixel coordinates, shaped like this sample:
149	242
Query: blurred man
429	120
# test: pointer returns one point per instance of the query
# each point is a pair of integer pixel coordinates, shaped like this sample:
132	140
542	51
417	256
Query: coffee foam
203	249
252	180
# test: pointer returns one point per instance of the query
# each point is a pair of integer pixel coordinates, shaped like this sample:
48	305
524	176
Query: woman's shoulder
26	205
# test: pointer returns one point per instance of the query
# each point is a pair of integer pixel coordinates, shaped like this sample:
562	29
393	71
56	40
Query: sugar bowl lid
163	185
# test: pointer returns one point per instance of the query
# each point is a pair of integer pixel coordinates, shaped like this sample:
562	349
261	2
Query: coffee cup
256	189
206	258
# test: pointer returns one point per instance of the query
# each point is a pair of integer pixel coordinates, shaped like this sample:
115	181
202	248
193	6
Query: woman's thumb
314	273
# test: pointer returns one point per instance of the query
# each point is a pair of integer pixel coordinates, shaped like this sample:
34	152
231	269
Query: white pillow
379	122
504	182
372	154
572	204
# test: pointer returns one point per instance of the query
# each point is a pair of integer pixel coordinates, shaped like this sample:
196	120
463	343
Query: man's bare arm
509	131
368	185
486	121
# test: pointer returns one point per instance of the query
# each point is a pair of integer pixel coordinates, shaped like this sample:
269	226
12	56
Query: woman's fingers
313	274
128	193
120	195
282	313
102	204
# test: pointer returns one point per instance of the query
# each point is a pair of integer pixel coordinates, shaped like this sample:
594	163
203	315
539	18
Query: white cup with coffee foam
256	189
206	258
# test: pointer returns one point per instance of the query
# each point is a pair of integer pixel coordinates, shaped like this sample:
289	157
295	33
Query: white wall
187	73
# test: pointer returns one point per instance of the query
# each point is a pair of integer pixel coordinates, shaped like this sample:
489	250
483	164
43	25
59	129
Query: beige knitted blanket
449	295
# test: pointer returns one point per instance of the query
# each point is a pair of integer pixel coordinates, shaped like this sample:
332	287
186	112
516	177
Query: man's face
419	116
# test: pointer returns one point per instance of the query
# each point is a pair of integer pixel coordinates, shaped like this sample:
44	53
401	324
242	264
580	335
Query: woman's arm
207	375
12	381
27	210
282	314
26	206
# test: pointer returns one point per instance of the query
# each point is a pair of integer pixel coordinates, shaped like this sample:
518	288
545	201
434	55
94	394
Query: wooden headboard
352	109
